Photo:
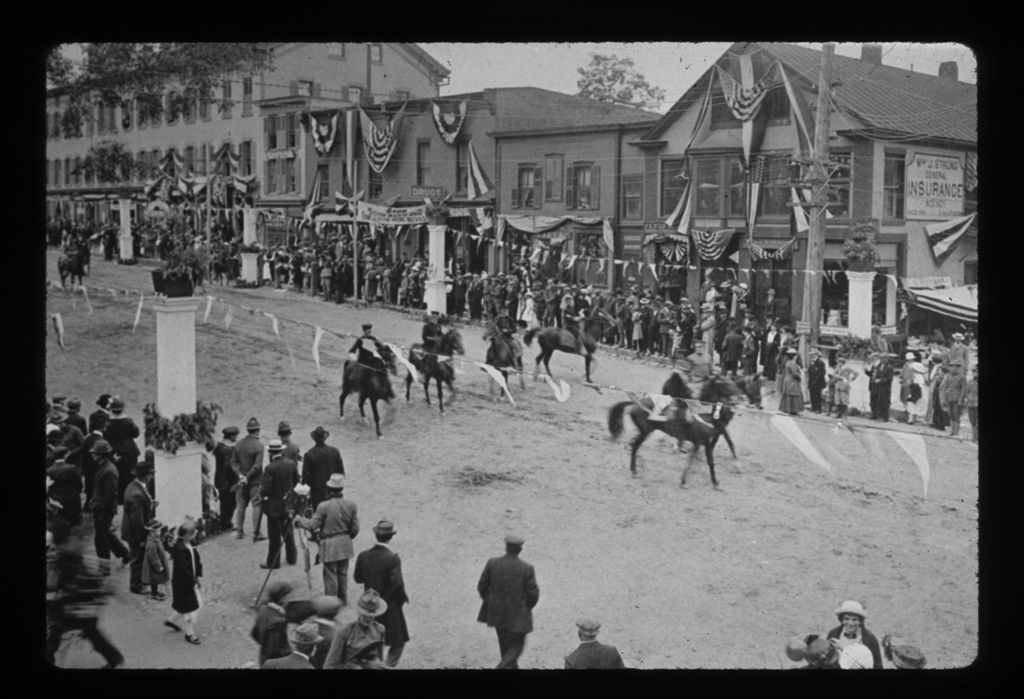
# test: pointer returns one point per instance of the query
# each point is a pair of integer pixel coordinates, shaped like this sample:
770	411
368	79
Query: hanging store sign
935	187
391	215
420	191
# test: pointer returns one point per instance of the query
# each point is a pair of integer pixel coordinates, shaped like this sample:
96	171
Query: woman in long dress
526	312
792	399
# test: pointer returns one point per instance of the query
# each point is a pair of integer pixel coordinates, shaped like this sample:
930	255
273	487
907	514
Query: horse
370	381
701	430
71	265
433	366
502	356
560	339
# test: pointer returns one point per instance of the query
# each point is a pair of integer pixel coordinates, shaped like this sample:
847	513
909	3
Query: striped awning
960	302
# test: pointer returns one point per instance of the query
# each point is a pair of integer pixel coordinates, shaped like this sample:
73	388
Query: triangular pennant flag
791	431
600	265
85	293
499	379
273	323
227	318
914	445
405	362
561	388
318	334
209	307
58	325
654	272
138	314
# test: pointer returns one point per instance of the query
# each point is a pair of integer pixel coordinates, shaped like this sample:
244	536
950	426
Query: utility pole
819	183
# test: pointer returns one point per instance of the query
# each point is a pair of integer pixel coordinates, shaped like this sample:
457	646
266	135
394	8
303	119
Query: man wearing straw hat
360	644
379	568
303	639
508	588
336	522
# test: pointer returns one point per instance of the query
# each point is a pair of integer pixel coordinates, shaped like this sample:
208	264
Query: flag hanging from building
312	200
379	143
479	185
783	252
944	236
350	149
803	124
172	163
744	101
680	216
754	178
799	215
711	244
225	161
449	124
323	129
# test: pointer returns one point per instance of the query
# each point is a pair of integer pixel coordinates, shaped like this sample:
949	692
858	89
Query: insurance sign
935	187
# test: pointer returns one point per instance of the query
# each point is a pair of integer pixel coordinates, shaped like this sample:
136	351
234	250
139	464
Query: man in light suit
303	639
591	655
379	568
137	513
336	522
508	588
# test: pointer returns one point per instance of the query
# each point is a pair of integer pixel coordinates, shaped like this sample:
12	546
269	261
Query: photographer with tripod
280	476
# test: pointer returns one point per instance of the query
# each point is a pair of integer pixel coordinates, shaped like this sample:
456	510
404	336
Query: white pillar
250	272
860	303
178	477
248	225
125	239
434	293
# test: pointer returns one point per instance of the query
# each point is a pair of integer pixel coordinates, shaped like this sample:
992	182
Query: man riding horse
508	328
366	354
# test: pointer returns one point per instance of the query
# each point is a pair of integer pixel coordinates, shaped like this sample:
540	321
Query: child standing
154	564
188	568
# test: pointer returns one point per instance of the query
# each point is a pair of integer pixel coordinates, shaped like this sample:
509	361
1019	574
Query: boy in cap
155	571
74	416
592	655
379	568
291	450
508	588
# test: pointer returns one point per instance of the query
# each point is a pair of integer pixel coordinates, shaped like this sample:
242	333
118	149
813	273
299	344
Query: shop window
554	168
526	194
673	183
632	197
835	295
583	191
777	275
590	247
324	174
894	184
422	162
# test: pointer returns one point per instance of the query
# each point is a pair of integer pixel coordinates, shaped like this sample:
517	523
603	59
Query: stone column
434	292
248	225
250	271
178	477
125	238
860	303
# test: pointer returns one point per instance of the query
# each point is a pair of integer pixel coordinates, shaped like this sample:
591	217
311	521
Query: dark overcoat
279	477
318	465
184	577
137	512
508	588
379	568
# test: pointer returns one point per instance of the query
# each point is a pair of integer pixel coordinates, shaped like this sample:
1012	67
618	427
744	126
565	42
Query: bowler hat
275	445
104	401
117	406
588	625
284	428
101	446
514	539
851	607
336	481
319	434
908	657
384	527
371	603
367	327
230	432
305	634
252	425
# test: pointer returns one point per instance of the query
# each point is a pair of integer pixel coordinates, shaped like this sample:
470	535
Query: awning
960	302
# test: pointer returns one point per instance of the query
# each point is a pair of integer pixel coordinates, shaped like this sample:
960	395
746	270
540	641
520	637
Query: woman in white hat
912	388
851	630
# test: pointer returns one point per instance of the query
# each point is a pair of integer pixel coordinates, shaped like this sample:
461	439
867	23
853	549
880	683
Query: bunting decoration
791	431
755	178
350	149
711	244
680	216
744	100
58	325
318	334
172	163
784	252
379	143
400	356
799	215
971	172
138	314
209	307
943	237
654	272
600	265
498	378
479	186
802	121
449	124
312	200
225	161
323	129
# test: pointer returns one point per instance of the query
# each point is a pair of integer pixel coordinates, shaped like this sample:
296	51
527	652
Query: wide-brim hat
319	433
336	481
284	428
851	607
278	590
908	657
385	526
52	429
371	603
791	350
958	336
305	634
252	424
645	302
856	656
101	446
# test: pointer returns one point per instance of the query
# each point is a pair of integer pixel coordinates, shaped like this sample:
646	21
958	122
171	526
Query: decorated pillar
434	291
860	303
125	238
178	477
248	225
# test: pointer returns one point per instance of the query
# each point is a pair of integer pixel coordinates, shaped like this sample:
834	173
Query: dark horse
370	381
503	356
560	339
72	265
434	366
700	430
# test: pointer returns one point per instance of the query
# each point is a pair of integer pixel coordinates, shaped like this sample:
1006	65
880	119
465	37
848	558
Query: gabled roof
885	99
529	108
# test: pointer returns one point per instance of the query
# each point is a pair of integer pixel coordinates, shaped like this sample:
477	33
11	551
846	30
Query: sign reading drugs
391	215
935	187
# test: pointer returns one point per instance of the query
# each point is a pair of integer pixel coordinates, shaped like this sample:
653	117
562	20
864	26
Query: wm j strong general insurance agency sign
935	187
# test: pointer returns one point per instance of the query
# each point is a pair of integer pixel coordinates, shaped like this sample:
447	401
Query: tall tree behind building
614	79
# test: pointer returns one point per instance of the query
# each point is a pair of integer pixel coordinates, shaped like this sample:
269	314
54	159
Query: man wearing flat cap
139	509
320	463
74	416
279	478
336	523
121	433
508	588
103	506
248	465
592	655
379	568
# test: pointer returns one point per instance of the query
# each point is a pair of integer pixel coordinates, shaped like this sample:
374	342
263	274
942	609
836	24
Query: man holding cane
279	478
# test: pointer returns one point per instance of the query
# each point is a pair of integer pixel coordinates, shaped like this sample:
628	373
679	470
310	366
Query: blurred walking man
508	588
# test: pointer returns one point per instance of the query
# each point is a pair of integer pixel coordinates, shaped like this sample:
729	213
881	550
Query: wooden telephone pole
819	198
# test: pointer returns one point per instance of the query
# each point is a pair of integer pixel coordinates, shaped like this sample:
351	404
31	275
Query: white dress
527	314
919	408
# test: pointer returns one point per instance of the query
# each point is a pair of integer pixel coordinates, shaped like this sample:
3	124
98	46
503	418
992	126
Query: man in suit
104	506
137	513
336	522
248	465
103	408
508	588
270	627
224	478
291	449
66	489
83	457
121	432
304	639
279	477
379	568
816	379
320	463
592	655
74	416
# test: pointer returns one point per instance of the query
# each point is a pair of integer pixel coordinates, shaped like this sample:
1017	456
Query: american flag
711	244
379	143
754	178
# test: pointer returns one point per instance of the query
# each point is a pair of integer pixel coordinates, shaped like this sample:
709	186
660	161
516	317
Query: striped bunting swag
323	129
784	252
225	161
754	178
944	236
379	143
448	124
172	163
744	101
711	244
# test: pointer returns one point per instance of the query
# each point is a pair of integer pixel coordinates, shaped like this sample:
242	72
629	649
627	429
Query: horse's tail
615	418
528	337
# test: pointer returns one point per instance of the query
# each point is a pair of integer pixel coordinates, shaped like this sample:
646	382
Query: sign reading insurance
935	187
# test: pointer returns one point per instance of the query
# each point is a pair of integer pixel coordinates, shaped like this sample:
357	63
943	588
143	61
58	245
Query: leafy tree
111	162
614	79
112	74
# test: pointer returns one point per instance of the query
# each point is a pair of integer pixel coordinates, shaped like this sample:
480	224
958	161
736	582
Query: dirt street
691	578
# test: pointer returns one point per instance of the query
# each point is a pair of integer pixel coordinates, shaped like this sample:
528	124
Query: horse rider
431	333
362	352
571	322
507	327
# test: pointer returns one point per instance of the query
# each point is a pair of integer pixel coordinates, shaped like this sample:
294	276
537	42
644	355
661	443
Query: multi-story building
261	119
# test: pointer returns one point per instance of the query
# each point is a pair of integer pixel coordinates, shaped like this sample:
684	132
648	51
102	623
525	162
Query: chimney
871	53
948	70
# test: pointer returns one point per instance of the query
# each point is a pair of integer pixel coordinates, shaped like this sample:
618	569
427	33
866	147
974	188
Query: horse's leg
426	387
341	400
376	416
362	405
728	440
547	358
586	359
440	393
686	468
709	449
536	364
450	381
634	446
408	385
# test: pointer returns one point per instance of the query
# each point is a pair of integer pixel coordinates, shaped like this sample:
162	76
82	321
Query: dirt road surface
692	578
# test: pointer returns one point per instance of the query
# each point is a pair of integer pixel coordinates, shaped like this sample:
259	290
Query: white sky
671	66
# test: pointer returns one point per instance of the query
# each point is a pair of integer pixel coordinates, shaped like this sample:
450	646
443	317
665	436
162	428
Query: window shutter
293	87
570	187
538	184
595	187
515	197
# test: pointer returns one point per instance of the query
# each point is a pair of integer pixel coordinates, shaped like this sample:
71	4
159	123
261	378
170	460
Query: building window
354	93
190	160
270	130
336	50
325	182
893	186
189	110
584	191
527	192
246	96
422	162
56	173
376	185
376	53
632	197
775	193
673	183
461	167
305	88
78	171
172	116
225	100
204	108
281	177
154	160
245	158
840	186
67	172
554	169
291	175
971	272
719	185
205	151
775	107
291	125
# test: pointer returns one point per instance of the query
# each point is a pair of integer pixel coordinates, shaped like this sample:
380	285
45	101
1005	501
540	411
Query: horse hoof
684	486
718	487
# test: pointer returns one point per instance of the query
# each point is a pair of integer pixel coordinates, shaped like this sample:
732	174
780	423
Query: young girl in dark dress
188	568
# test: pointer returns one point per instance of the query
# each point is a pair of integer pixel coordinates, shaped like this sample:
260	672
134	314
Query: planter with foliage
181	265
170	434
860	255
